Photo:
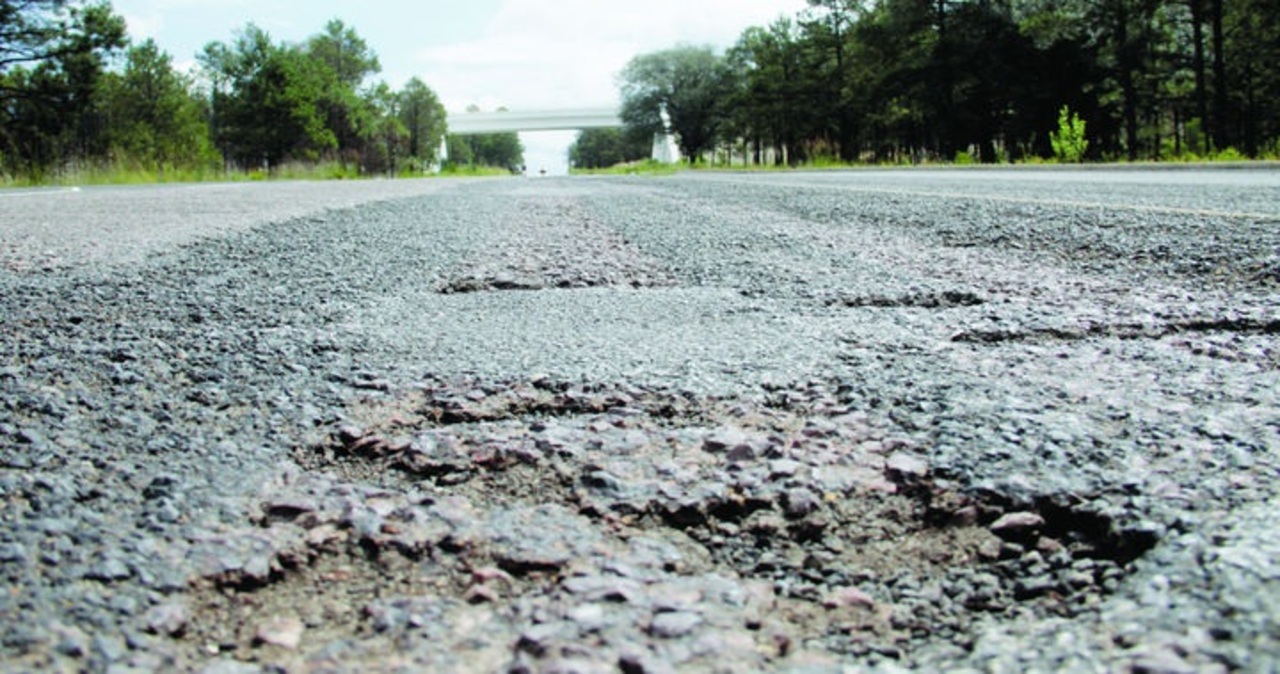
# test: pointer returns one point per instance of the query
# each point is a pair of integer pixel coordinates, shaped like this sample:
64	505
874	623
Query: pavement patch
557	245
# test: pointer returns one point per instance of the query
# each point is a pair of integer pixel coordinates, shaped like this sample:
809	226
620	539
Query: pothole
611	525
478	281
945	299
1155	330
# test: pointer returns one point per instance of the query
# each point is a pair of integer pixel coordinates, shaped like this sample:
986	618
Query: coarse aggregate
978	420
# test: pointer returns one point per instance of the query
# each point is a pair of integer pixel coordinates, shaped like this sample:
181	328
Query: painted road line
39	193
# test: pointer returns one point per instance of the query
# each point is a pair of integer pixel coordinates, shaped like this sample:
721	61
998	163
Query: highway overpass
569	119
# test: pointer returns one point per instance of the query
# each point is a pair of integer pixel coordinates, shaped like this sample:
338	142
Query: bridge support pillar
664	142
664	148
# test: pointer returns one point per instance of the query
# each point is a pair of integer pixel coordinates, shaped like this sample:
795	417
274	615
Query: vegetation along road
936	420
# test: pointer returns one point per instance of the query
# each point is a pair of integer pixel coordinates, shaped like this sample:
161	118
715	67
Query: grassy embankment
1229	156
122	175
85	176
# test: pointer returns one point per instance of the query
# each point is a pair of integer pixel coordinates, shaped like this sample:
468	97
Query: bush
1229	154
1069	141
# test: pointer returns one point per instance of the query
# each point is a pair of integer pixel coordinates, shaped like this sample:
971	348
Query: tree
52	57
992	100
154	119
690	83
34	32
896	45
458	149
385	140
927	79
273	108
771	100
346	62
423	117
345	52
499	150
1221	134
1249	77
829	26
602	148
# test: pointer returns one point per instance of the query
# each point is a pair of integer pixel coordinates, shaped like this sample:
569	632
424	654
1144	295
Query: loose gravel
969	421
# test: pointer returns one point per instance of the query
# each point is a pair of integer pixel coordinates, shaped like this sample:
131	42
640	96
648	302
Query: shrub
1069	142
1229	154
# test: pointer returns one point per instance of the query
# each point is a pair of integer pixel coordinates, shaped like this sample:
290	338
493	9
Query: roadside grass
100	175
645	167
119	175
455	171
137	175
1229	156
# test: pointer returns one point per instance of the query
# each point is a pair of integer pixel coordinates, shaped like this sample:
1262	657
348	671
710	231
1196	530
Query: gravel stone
674	624
798	503
168	619
1017	526
282	631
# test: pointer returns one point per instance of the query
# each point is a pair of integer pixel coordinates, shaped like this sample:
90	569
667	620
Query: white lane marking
973	196
39	193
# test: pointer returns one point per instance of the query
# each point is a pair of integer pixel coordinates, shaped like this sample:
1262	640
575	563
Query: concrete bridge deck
571	119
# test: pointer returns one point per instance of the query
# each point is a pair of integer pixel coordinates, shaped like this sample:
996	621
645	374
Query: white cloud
539	54
144	25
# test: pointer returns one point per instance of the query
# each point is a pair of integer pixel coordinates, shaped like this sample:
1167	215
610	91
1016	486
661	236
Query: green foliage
344	61
154	120
323	170
1069	141
52	59
690	83
963	158
494	150
767	98
423	117
261	109
1229	154
917	81
279	105
453	170
345	53
644	167
130	173
842	82
602	148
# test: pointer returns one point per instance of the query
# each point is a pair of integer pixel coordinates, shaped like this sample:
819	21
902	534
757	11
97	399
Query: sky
521	54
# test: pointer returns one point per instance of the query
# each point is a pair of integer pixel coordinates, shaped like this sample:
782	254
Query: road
994	418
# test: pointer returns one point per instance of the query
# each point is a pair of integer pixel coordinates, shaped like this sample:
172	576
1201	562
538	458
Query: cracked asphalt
963	420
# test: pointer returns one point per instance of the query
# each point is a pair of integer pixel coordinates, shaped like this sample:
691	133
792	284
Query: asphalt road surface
984	420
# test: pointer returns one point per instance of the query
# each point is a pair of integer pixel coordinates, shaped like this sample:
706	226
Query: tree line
75	91
982	80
